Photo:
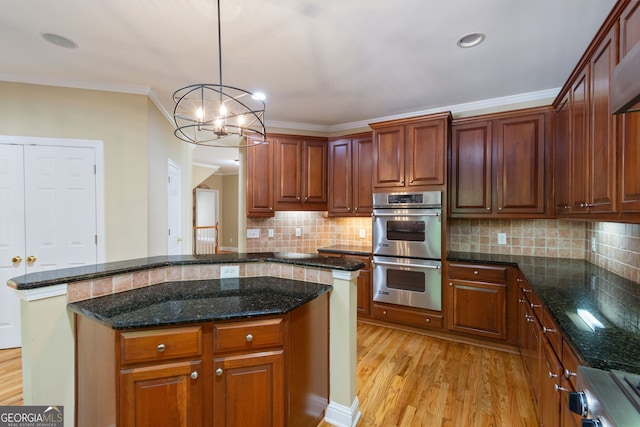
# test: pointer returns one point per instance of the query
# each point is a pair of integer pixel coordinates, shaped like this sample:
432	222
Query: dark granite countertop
89	272
359	250
175	303
566	285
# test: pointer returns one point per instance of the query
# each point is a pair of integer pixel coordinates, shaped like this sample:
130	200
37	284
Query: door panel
11	241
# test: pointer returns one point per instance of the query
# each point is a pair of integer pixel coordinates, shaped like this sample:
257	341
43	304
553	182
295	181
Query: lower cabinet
262	372
364	280
479	301
407	316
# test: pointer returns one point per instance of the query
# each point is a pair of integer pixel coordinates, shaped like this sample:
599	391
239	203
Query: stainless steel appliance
606	398
407	251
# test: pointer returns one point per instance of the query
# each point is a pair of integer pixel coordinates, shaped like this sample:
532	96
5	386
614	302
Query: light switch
270	232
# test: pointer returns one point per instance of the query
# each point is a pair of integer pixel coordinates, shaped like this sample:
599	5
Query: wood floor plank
11	377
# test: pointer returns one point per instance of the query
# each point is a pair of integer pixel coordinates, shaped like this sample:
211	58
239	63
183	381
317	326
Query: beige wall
229	212
135	151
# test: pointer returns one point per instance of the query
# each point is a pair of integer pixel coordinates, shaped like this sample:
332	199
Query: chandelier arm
219	48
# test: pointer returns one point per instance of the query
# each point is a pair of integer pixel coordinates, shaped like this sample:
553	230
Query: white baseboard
343	416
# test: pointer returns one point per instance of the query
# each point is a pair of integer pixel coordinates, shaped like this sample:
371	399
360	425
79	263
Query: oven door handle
406	214
404	264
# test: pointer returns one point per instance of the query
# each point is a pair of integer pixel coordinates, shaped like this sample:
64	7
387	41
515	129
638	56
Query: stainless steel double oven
407	255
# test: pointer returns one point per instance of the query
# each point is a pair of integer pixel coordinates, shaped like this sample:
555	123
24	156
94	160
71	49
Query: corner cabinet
300	173
266	371
498	165
350	172
411	153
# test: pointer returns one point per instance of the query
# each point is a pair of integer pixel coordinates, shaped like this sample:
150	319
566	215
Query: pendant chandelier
218	115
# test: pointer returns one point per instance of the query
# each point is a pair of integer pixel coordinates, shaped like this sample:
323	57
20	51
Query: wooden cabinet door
519	164
288	170
471	158
550	376
248	390
602	135
314	161
162	395
340	173
562	165
362	182
388	157
478	308
260	179
425	152
629	123
579	142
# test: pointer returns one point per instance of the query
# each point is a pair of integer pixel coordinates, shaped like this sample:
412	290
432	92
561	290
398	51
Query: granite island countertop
566	285
90	272
175	303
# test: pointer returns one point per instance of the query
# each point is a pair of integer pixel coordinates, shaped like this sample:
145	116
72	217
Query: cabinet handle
194	375
160	347
519	280
249	337
552	375
16	259
557	388
545	329
529	318
569	374
535	305
31	259
219	372
525	291
522	301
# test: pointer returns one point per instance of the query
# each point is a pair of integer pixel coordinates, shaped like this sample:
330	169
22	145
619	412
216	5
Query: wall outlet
270	232
593	244
362	233
298	232
502	238
229	271
253	233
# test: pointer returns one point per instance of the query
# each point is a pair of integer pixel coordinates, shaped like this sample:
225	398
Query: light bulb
218	122
223	110
199	113
240	121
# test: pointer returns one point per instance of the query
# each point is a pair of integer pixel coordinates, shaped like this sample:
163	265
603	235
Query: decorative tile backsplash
617	245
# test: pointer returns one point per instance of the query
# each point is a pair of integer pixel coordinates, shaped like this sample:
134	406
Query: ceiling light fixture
218	115
470	40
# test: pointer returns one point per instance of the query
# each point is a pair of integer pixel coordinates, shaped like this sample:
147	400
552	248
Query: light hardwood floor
406	379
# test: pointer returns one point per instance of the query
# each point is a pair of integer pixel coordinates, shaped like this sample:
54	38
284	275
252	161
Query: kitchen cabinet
300	173
551	372
562	189
260	179
226	373
477	299
350	176
498	165
410	154
629	126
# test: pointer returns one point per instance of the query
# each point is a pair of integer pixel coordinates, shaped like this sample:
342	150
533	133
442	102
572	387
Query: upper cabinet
410	153
596	153
497	165
300	173
287	173
350	171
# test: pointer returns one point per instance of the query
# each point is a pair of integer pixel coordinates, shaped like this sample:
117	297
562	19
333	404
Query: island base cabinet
168	395
248	390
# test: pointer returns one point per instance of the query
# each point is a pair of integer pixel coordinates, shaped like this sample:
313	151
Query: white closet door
60	207
12	241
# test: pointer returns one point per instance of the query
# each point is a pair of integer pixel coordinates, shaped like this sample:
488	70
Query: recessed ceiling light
59	40
470	40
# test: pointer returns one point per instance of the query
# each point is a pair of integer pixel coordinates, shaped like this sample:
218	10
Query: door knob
16	259
31	259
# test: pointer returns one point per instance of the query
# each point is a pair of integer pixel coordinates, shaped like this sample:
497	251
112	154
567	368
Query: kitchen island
48	356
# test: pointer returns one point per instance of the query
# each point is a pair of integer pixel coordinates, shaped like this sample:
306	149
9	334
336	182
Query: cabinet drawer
160	344
406	316
248	335
479	273
551	331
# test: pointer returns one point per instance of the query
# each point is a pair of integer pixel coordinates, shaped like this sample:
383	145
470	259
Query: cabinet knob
519	280
535	305
499	209
475	271
552	375
270	208
298	198
31	259
356	209
306	198
547	330
427	320
568	374
194	375
384	312
488	208
249	337
557	388
16	259
450	284
160	347
521	301
219	372
410	181
402	181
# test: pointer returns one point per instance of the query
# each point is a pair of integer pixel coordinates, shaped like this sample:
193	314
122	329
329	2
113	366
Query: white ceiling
323	64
